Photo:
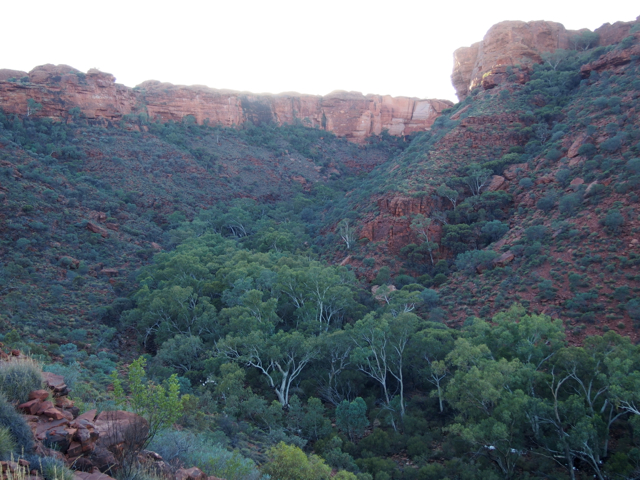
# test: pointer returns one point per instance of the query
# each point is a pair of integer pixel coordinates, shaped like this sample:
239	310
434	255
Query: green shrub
288	462
51	468
469	261
17	426
7	444
633	165
18	378
377	443
587	149
614	220
183	447
525	183
536	233
569	203
546	203
633	309
384	274
439	279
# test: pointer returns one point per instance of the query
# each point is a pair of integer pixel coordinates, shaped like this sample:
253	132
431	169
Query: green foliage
19	377
351	417
7	444
160	405
288	462
15	423
614	220
51	468
587	149
383	276
470	261
186	448
494	230
569	203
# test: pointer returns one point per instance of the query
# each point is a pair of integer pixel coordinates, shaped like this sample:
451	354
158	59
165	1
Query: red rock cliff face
393	223
506	43
348	114
61	88
511	43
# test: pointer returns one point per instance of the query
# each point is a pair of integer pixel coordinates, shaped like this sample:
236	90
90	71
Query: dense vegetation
217	254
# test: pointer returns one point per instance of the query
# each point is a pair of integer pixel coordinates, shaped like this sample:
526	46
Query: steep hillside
544	173
84	206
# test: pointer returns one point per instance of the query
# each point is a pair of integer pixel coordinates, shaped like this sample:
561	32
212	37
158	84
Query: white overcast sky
395	47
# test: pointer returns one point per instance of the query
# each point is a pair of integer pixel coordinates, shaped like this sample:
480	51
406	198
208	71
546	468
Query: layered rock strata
64	91
512	43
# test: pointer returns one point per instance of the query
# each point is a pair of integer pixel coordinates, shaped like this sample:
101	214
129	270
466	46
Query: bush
430	297
525	183
469	261
185	448
569	203
18	378
633	309
7	444
563	176
22	243
16	425
439	279
51	468
384	274
351	417
546	203
633	165
287	462
612	144
613	221
535	233
587	149
494	230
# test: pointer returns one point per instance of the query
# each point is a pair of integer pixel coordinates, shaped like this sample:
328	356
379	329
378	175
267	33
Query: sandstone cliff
519	43
347	114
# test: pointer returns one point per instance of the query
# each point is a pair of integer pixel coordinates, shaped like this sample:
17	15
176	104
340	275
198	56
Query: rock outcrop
512	43
613	59
506	44
392	225
63	91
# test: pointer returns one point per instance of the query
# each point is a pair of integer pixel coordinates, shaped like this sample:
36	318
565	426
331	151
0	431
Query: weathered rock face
518	43
612	60
60	88
393	223
347	114
505	44
6	74
614	33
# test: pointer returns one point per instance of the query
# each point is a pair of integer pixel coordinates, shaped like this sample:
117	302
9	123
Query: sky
392	47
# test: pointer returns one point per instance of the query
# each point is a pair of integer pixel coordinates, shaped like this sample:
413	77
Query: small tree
421	225
585	40
554	59
478	178
33	106
160	405
351	417
448	193
347	233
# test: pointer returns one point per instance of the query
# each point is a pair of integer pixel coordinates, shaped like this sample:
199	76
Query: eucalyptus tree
380	346
280	358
